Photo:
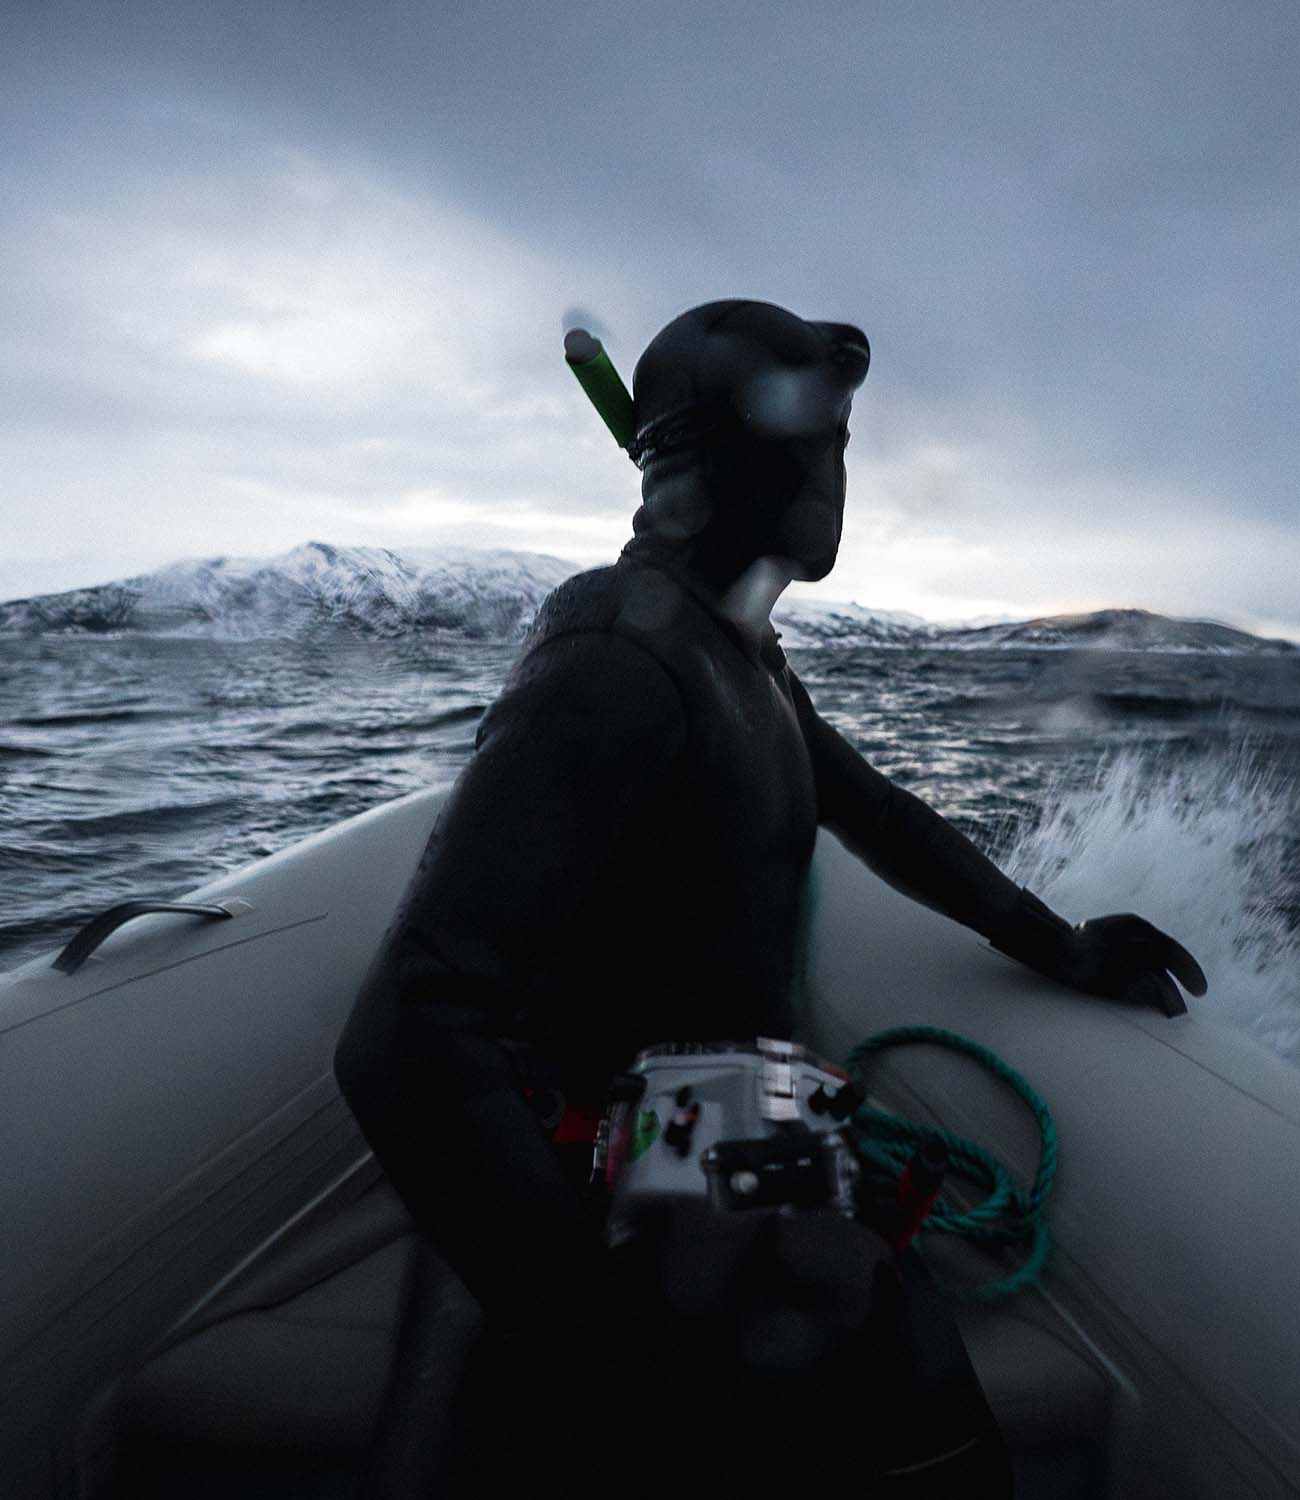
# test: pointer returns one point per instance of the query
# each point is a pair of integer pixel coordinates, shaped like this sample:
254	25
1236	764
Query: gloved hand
1122	957
1125	958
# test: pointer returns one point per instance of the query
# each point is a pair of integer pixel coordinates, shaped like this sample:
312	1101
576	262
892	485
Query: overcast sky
272	272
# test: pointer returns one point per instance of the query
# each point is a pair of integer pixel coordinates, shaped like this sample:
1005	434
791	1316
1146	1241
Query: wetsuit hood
741	412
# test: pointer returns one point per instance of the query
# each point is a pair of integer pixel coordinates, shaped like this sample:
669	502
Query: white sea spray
1201	849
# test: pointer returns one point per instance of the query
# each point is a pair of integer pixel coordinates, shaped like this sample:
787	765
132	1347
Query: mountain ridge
492	594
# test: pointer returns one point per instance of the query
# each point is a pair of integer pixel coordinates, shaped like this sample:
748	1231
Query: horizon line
984	619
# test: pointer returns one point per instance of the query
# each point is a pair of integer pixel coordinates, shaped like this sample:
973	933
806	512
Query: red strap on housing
578	1125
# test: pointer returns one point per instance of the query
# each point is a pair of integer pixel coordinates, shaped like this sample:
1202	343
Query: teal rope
1007	1215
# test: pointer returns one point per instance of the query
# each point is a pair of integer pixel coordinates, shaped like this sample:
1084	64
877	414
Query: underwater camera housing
741	1124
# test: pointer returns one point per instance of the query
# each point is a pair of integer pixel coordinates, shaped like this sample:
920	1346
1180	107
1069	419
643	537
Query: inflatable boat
207	1288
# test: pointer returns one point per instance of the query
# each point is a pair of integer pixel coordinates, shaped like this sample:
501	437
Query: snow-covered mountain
479	594
493	594
468	592
810	622
1115	630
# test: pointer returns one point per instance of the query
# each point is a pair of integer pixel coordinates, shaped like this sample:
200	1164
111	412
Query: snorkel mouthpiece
605	390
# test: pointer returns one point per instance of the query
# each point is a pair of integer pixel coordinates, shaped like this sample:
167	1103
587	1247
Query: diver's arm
587	730
905	842
921	854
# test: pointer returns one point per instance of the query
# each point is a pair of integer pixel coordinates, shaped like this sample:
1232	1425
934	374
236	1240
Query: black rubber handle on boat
98	928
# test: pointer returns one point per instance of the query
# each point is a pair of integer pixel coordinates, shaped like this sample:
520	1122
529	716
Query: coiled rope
1007	1215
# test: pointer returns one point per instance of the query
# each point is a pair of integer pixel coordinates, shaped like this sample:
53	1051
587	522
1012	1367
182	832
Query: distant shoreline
485	594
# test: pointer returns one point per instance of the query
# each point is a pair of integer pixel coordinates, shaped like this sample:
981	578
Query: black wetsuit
622	862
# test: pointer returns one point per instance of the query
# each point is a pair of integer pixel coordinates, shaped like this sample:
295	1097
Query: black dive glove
1122	957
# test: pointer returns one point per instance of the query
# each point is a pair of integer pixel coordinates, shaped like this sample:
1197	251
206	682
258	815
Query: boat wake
1208	850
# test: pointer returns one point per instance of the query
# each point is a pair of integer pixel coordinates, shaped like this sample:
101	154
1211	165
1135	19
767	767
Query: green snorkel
605	389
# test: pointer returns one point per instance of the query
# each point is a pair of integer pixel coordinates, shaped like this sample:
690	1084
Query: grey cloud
1068	231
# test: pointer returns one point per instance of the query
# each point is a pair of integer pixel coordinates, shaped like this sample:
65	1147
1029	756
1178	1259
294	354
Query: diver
621	863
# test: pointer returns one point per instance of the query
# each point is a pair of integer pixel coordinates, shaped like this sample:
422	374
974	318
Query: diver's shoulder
625	598
580	659
629	614
584	601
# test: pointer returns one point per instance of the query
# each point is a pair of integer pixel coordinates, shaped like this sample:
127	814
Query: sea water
1165	784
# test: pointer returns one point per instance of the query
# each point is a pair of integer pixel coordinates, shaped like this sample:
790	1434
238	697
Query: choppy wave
95	717
1208	850
144	768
